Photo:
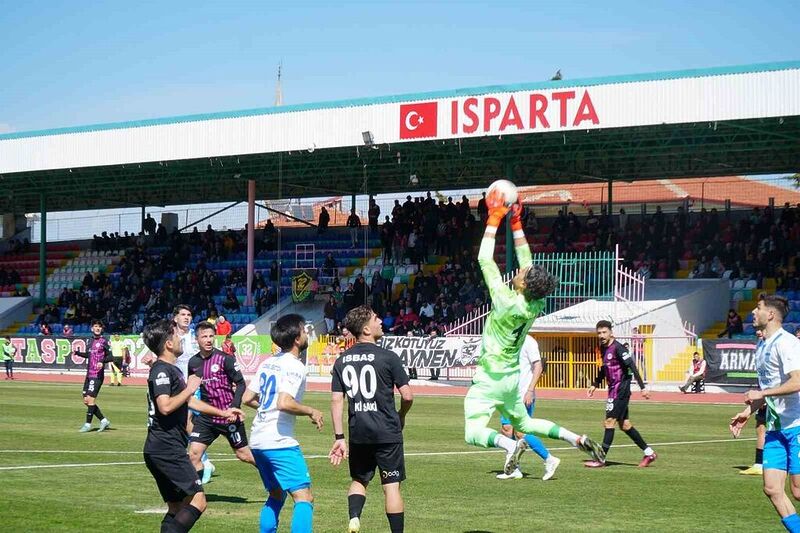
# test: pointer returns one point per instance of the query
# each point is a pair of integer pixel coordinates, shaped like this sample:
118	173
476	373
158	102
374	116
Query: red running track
424	388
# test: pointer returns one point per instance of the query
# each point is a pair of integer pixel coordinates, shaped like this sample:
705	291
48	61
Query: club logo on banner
419	120
730	361
434	352
302	283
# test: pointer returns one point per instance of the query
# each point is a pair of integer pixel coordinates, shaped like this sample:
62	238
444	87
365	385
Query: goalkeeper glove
497	209
516	216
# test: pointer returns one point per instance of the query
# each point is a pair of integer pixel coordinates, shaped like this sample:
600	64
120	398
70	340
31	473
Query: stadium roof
709	122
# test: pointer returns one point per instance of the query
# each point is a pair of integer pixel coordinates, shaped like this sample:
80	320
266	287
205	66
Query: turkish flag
418	120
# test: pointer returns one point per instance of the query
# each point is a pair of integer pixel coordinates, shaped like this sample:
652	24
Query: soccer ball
505	189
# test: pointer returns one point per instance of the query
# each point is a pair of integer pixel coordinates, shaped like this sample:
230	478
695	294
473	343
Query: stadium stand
417	268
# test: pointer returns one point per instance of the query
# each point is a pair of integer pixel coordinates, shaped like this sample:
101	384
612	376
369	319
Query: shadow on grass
230	499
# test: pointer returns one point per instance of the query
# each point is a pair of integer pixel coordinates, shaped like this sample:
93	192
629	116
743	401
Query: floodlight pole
251	239
42	250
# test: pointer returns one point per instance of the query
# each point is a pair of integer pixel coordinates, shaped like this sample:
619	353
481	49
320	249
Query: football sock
396	521
608	439
791	523
537	446
759	456
89	413
185	518
637	439
303	517
355	504
501	441
268	522
166	522
97	412
566	435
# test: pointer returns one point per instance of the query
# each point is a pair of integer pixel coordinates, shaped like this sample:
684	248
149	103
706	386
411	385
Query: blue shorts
506	422
196	395
782	450
282	468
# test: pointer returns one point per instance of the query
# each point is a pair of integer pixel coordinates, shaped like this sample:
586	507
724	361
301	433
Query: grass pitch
56	479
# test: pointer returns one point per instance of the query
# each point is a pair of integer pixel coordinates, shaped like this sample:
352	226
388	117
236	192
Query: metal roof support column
42	250
610	210
251	239
143	218
509	236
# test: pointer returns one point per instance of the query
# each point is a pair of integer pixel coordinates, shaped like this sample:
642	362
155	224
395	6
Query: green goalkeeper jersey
511	315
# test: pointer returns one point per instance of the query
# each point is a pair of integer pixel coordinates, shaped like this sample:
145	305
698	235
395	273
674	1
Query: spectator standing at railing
354	223
387	236
483	211
329	267
330	315
324	220
373	215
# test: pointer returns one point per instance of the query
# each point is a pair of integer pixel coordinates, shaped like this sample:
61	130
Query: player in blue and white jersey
276	391
778	367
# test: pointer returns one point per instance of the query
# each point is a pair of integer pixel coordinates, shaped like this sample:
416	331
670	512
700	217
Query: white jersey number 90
366	383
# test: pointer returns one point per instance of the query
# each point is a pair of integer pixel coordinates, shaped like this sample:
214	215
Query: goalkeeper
497	376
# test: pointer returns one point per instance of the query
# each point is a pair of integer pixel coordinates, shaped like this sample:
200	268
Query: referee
169	399
368	375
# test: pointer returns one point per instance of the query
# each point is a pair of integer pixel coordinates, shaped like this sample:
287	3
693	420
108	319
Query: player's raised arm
521	246
491	274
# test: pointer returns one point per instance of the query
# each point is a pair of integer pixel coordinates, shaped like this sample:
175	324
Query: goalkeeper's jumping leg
544	428
478	410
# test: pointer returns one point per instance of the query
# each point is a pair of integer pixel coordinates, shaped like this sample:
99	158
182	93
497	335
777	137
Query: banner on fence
730	361
434	352
55	353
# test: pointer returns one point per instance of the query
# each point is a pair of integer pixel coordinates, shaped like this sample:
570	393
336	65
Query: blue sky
73	63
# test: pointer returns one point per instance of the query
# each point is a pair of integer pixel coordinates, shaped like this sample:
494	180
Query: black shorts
387	458
118	362
205	432
175	476
617	408
761	416
91	386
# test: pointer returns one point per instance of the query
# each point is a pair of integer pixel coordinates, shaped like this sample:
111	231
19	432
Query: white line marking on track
231	458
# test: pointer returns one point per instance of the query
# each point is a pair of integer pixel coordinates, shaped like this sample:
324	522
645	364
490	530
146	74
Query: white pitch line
411	454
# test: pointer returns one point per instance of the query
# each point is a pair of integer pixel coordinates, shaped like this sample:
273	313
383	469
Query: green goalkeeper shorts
490	392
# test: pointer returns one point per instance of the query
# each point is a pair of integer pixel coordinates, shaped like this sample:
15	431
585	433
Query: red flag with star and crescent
418	120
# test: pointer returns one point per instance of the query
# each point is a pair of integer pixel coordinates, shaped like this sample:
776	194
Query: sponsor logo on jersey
162	379
215	367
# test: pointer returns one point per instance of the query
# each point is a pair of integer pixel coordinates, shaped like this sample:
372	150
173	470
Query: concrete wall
14	310
701	302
